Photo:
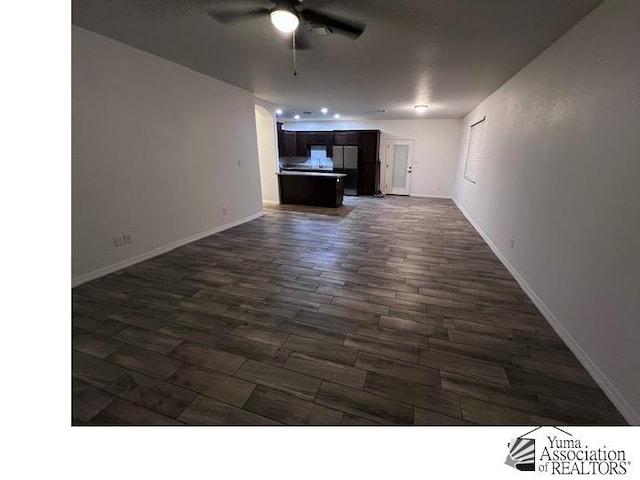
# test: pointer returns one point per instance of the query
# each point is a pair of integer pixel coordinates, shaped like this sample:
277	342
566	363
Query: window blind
476	137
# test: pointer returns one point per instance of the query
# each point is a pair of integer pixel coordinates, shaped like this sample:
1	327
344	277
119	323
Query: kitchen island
318	189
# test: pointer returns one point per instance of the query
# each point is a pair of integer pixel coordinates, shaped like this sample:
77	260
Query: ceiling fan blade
350	29
234	16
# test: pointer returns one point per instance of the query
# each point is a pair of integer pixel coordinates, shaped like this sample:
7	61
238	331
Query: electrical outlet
119	240
512	242
224	211
122	239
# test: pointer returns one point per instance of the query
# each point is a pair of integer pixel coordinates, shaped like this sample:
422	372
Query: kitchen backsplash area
317	160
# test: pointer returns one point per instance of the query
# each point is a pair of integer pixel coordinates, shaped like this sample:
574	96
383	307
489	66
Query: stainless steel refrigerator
345	160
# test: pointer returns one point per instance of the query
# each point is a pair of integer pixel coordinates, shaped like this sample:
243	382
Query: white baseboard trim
623	406
448	197
101	272
270	202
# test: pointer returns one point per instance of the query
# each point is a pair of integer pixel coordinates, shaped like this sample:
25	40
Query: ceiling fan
286	16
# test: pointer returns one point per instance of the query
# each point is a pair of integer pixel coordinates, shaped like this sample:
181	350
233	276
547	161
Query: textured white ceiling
449	54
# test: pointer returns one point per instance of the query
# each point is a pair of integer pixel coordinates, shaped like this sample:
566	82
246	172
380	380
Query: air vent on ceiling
307	113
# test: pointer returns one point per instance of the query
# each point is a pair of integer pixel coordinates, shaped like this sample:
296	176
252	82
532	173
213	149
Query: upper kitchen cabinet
286	142
346	138
302	144
320	138
289	143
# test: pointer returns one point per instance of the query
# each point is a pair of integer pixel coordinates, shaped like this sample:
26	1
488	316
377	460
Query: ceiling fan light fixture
284	20
421	108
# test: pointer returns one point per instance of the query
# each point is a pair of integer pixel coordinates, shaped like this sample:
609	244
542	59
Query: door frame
388	173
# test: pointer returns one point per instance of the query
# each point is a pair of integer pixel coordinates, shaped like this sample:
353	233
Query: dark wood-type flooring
394	311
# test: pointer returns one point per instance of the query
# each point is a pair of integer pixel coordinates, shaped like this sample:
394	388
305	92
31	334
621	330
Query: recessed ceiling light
278	112
297	117
421	108
337	115
284	20
324	110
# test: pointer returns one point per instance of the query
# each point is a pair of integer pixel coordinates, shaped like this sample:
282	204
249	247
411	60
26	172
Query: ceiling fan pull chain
295	70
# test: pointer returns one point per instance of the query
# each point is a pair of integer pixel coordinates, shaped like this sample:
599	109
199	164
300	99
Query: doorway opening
267	155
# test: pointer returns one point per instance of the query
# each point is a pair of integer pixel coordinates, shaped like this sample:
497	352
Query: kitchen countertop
305	169
312	174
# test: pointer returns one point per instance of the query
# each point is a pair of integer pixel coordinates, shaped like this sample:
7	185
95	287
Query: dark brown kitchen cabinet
367	179
280	138
289	144
286	142
370	162
309	189
323	138
346	138
370	146
297	144
302	149
328	138
318	138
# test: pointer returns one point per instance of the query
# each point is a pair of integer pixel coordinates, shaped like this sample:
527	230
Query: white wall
560	172
267	154
158	150
435	153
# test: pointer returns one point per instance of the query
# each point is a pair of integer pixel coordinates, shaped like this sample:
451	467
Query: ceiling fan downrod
295	70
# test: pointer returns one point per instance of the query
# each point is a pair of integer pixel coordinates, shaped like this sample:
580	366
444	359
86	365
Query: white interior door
399	167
